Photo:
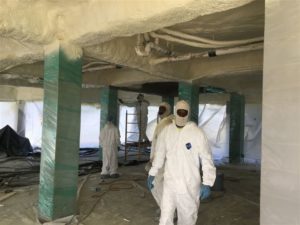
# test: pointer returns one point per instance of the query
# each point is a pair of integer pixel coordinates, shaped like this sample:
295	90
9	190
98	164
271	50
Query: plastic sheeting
33	122
152	115
252	133
61	131
215	123
90	123
213	120
280	177
9	114
89	129
90	126
13	144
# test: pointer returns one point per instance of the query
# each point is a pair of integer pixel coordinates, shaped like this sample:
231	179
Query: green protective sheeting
170	100
60	138
190	93
109	107
237	126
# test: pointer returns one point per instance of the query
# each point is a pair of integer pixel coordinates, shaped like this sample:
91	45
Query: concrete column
236	110
190	93
61	132
280	169
109	107
21	118
170	100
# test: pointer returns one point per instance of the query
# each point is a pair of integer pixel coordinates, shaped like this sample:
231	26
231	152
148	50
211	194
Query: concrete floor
126	201
239	204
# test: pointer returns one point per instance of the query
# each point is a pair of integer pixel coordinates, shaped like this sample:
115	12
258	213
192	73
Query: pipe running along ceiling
135	42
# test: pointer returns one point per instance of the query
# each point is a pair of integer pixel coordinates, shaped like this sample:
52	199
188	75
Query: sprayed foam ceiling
107	33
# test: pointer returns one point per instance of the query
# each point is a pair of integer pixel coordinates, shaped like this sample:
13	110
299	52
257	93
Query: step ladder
139	145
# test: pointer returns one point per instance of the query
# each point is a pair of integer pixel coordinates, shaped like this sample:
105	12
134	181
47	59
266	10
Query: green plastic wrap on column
170	100
60	137
109	107
237	126
190	93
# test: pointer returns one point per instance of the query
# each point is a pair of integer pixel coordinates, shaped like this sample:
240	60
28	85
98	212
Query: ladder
131	144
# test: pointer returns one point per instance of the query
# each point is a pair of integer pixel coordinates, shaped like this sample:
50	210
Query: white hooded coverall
157	190
181	150
110	140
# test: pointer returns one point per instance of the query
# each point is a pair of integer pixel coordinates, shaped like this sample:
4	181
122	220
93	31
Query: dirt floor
126	201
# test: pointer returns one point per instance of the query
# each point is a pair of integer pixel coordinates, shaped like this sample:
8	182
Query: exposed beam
226	65
121	51
119	77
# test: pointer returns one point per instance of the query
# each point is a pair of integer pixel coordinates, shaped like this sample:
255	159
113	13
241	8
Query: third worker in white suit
110	140
182	147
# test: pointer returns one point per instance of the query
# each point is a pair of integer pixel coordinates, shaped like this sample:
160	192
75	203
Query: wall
280	177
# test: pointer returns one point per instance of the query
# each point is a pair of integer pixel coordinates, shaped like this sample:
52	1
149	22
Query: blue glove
150	181
204	191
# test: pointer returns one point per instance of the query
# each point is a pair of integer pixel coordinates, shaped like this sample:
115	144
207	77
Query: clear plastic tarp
212	118
215	122
9	114
252	142
89	128
152	116
33	113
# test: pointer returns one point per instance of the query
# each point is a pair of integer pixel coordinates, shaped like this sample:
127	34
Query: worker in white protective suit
181	146
163	119
109	141
141	110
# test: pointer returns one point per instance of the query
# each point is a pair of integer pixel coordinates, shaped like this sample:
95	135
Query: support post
61	132
280	169
190	93
109	107
170	100
237	126
21	118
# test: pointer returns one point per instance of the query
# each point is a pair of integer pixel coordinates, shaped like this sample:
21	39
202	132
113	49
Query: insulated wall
280	177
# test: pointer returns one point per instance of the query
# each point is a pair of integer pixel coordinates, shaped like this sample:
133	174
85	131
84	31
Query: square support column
237	127
61	132
21	118
190	93
280	169
170	100
109	107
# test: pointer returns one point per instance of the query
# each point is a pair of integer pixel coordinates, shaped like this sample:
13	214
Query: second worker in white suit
182	145
164	119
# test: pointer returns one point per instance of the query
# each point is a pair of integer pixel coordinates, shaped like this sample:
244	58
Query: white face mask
181	120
